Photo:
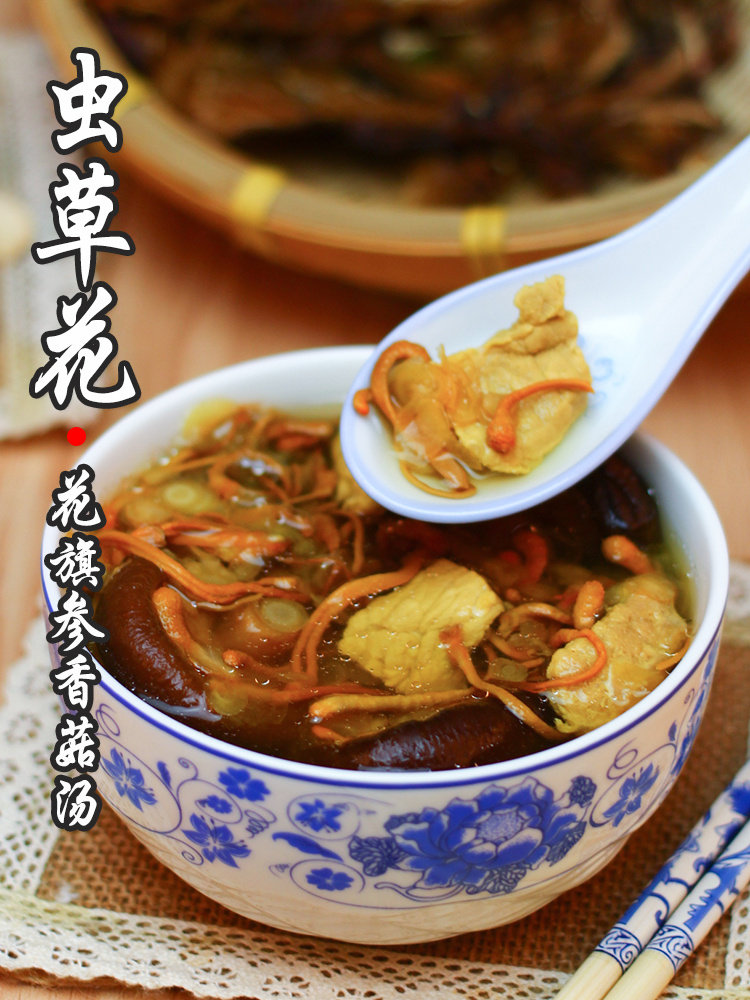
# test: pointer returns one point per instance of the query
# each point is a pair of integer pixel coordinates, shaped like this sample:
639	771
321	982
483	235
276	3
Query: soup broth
256	593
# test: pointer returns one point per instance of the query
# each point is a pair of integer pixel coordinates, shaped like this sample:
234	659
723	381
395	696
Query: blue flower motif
318	816
216	841
217	803
632	791
375	854
570	839
486	844
582	790
501	881
242	785
329	880
128	780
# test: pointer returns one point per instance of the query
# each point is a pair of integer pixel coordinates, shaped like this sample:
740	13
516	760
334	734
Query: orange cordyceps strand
381	393
620	550
589	604
501	433
563	636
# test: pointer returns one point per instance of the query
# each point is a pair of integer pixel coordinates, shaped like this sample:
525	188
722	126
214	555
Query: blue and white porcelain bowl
382	858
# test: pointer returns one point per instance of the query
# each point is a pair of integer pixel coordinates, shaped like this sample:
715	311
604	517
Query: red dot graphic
76	435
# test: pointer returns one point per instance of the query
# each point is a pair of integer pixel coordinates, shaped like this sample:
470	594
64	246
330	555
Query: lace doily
737	624
59	937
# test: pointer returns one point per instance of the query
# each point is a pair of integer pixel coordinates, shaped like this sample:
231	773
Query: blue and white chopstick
689	924
622	945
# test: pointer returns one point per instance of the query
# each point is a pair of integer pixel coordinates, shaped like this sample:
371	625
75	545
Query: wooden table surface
189	303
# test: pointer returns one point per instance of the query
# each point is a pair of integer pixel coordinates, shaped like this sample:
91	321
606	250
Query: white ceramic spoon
643	298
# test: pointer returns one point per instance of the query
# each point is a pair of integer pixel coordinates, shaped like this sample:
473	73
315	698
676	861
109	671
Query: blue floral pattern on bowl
209	819
215	840
631	793
320	817
484	844
128	780
240	783
352	846
329	880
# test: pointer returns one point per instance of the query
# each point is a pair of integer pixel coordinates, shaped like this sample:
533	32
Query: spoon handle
688	257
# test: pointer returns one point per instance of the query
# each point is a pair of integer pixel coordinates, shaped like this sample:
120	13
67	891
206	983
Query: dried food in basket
463	98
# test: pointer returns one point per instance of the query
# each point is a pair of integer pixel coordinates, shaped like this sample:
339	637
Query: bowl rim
702	644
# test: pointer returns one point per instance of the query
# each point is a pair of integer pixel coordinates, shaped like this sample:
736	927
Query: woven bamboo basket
369	240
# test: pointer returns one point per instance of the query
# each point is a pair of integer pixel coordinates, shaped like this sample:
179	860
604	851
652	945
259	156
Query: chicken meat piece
541	345
446	407
397	636
640	630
